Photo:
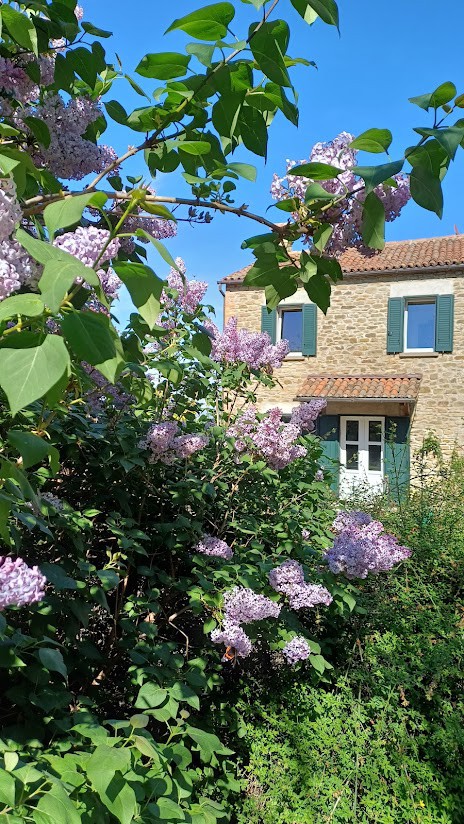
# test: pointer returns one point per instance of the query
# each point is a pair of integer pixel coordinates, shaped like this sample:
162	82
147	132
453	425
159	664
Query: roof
425	253
366	387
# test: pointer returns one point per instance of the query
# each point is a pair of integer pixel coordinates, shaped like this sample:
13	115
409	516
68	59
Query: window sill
419	354
294	357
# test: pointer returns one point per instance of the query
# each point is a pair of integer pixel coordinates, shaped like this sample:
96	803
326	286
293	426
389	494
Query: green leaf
375	175
426	190
304	8
450	139
244	170
52	660
20	28
182	692
109	578
374	140
316	171
322	236
208	23
139	721
373	222
29	305
432	156
28	374
225	113
39	129
55	805
85	63
69	211
7	789
318	290
443	94
165	809
269	45
204	53
163	65
33	449
94	31
150	696
145	289
56	575
58	277
208	743
253	130
326	9
194	147
116	112
104	769
92	338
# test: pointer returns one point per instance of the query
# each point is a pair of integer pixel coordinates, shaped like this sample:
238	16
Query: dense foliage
153	521
384	742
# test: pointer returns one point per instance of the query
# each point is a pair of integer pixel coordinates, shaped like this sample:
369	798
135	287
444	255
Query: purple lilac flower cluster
242	606
255	349
190	292
97	399
296	650
70	155
288	579
165	443
87	243
345	215
269	437
16	267
306	415
52	500
232	635
362	546
20	584
210	545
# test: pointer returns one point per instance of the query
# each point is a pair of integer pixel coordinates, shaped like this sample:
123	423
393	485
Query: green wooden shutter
269	322
309	329
397	459
395	324
444	323
328	429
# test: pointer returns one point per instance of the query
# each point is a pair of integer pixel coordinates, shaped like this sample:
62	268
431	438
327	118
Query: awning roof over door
361	387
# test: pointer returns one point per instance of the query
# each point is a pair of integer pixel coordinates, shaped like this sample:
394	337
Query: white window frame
294	307
415	301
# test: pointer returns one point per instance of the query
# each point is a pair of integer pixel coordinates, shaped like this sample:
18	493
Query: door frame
362	473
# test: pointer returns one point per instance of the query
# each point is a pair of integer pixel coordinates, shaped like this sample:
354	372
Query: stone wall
351	339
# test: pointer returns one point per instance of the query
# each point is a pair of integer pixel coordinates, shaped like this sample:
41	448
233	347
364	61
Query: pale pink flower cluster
210	545
288	579
70	155
87	243
167	445
242	606
19	584
362	546
267	437
255	349
296	650
345	215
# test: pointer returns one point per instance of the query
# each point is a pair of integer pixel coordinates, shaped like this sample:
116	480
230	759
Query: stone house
388	357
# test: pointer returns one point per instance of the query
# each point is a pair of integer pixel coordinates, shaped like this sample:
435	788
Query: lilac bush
165	443
362	547
255	349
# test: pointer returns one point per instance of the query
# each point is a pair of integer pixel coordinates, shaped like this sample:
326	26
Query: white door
361	454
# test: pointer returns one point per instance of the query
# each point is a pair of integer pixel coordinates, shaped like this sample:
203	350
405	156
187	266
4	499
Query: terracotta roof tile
381	387
399	254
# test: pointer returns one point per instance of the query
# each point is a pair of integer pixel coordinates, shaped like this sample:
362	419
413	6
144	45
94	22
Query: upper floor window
290	322
420	325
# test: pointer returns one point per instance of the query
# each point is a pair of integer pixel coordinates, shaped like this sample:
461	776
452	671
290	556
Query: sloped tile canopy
361	387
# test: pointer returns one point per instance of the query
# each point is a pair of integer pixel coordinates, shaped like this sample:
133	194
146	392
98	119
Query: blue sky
387	52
